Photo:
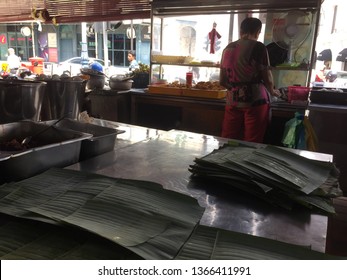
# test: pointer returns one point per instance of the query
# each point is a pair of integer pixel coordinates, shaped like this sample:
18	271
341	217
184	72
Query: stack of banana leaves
274	174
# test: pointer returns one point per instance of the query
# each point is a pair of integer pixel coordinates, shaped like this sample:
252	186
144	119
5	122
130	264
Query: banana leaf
276	199
274	174
139	215
306	173
216	244
216	173
37	190
237	165
31	240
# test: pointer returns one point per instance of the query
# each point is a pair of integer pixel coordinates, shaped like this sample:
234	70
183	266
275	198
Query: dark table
164	157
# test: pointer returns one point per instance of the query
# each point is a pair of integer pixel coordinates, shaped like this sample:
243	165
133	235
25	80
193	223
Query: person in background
245	73
132	59
321	76
196	74
13	60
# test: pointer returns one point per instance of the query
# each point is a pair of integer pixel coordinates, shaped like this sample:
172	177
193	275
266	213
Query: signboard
3	39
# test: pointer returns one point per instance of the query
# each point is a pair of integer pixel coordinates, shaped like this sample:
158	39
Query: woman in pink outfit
245	72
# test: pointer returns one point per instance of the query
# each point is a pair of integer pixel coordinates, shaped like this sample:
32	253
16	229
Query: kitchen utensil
27	139
121	77
96	78
120	82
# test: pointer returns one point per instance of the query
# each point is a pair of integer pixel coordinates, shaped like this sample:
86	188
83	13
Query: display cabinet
189	36
184	44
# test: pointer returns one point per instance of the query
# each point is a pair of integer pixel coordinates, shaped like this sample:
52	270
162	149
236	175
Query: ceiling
184	7
69	11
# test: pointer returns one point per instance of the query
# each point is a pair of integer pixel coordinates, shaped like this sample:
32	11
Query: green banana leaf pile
73	215
276	175
140	216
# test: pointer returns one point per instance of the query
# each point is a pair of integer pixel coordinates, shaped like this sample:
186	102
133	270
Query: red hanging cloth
213	35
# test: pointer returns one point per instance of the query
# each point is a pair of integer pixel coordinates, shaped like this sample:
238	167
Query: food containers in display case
54	147
20	100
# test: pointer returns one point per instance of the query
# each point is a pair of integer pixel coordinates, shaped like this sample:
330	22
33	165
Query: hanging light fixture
25	31
131	33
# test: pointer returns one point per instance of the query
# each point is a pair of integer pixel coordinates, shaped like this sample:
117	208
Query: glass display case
185	39
185	44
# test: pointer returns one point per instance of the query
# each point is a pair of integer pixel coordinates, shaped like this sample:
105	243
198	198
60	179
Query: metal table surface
164	157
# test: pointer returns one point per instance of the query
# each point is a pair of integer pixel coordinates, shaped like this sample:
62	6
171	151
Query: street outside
51	69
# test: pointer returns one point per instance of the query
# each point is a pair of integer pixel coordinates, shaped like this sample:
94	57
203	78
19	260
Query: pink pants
248	124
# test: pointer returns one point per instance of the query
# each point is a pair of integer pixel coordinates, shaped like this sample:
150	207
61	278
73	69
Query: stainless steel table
164	157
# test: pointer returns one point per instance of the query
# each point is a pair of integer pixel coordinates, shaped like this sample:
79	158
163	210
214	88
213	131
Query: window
21	44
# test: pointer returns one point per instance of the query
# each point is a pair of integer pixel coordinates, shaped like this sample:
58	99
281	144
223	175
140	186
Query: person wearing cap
132	59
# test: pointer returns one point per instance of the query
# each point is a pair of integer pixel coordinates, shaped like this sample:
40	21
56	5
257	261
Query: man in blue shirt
132	59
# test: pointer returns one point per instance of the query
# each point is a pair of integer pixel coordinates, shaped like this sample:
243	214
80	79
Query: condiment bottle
189	79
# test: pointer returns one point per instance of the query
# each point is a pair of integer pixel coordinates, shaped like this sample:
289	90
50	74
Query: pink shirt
241	65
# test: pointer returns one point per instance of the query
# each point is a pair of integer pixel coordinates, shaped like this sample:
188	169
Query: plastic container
298	93
21	100
141	80
63	98
37	64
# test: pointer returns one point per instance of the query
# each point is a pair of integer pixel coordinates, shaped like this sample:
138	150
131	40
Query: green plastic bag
294	133
299	134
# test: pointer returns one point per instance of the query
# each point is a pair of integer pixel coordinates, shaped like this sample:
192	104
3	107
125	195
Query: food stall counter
164	157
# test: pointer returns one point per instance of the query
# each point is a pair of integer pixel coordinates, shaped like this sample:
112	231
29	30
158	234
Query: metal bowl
120	82
96	82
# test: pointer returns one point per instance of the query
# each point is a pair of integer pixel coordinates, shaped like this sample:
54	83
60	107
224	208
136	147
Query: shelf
188	64
217	65
178	91
290	68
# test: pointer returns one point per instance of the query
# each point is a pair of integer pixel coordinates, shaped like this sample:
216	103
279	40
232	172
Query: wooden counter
198	114
175	112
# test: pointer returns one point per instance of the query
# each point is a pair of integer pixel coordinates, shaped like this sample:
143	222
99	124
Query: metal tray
56	147
103	139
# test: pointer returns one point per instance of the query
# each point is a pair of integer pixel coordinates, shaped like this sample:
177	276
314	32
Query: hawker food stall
93	188
155	165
